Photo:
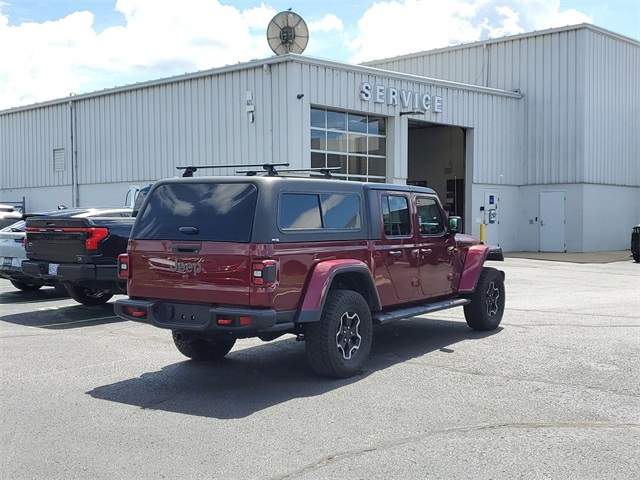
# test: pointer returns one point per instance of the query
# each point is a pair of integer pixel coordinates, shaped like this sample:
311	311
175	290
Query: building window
355	143
58	160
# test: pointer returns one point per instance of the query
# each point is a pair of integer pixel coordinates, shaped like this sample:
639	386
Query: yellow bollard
482	232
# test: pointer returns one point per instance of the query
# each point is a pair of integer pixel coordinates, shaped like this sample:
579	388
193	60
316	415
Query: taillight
94	235
124	266
264	273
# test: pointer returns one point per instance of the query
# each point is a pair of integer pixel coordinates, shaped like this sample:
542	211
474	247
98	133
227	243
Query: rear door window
319	211
396	216
218	212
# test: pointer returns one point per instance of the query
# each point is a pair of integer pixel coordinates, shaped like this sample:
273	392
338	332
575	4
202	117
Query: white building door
552	221
491	218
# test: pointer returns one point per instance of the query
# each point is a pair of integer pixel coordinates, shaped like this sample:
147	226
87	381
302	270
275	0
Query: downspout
75	189
485	66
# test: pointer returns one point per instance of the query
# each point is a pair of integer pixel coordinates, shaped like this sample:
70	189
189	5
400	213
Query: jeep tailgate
202	272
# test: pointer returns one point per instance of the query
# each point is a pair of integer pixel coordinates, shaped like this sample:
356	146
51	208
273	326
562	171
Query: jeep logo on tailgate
169	265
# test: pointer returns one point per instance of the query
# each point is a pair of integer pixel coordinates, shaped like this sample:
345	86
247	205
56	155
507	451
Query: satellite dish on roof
287	33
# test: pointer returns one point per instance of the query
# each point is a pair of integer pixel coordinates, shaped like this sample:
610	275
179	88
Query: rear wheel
201	348
339	344
87	296
26	287
636	257
487	302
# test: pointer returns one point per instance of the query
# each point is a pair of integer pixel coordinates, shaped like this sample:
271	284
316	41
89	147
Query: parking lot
553	393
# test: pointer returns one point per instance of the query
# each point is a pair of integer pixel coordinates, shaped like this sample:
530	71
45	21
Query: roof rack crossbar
189	170
325	171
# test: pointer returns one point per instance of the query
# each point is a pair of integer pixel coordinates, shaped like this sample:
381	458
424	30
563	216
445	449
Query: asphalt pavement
554	393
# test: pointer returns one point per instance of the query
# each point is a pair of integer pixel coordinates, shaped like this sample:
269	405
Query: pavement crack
521	379
345	455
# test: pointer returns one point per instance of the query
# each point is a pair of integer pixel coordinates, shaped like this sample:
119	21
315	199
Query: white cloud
161	38
328	23
391	28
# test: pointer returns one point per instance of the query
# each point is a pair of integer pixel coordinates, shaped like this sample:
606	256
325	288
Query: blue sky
52	48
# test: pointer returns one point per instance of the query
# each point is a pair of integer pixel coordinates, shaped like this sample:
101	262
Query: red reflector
245	320
135	312
225	321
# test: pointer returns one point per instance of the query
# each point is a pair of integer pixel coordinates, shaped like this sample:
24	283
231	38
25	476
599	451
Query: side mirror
455	224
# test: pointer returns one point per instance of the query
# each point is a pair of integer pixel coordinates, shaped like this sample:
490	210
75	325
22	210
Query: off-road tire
339	344
86	296
26	287
203	349
487	302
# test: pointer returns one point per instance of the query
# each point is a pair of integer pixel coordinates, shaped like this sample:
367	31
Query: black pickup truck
80	253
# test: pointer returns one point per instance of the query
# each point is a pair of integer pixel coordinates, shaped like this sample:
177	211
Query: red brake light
264	273
124	266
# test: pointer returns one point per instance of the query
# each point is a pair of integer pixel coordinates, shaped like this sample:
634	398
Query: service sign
405	98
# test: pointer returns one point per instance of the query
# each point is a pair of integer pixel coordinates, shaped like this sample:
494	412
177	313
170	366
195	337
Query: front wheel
26	287
339	344
87	296
487	302
201	348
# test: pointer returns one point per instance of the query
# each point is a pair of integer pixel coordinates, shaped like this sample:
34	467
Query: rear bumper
204	318
70	273
15	274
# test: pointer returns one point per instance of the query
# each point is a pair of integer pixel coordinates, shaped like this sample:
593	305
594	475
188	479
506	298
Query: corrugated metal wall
27	141
495	117
581	94
611	111
143	134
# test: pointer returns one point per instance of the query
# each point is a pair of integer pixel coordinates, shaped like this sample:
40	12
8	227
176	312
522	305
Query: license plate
6	261
53	269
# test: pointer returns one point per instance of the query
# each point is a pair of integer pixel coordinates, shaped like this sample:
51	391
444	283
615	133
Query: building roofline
539	33
274	60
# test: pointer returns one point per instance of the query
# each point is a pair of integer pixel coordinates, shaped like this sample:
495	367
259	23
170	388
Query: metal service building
536	136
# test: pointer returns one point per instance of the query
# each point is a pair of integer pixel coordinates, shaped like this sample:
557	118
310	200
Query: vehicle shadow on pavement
65	316
255	378
42	295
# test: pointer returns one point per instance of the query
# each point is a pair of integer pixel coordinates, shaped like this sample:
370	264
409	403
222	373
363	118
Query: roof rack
325	171
189	170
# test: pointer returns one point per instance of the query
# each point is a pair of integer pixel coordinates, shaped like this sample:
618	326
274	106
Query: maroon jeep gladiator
215	259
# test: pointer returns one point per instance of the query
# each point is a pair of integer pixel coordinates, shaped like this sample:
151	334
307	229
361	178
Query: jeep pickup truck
215	259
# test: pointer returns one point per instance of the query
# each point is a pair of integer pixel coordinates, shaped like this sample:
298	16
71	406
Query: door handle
395	253
425	251
189	230
185	249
